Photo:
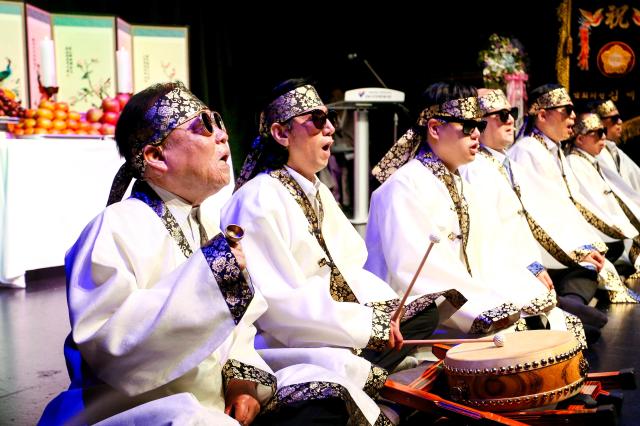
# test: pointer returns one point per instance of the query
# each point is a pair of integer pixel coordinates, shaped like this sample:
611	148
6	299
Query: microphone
352	56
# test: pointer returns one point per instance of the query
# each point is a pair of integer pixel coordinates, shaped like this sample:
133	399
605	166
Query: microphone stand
395	113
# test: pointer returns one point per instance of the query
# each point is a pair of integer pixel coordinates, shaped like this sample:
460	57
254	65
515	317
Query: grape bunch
8	106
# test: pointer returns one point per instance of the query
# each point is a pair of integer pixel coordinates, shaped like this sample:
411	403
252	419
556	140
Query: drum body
532	369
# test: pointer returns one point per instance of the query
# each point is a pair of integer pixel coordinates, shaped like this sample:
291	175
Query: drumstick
497	340
233	233
434	239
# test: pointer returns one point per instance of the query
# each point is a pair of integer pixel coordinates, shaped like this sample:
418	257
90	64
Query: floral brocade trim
536	268
454	297
541	304
574	325
311	391
599	224
234	369
237	292
143	192
495	319
375	381
338	286
380	329
439	170
615	288
541	236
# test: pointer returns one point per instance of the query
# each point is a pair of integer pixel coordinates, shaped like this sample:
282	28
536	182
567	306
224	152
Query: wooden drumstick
233	233
399	311
497	340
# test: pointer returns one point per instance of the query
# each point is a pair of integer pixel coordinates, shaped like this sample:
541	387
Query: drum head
519	347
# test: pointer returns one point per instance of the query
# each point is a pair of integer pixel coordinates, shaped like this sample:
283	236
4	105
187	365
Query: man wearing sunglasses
600	185
161	313
306	258
612	156
526	228
422	194
549	122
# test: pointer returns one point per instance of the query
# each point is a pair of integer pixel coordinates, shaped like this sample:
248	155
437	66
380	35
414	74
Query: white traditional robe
544	190
616	159
152	328
608	190
304	322
412	204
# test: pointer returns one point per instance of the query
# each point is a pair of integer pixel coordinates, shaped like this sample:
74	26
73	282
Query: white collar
179	207
500	156
309	188
586	154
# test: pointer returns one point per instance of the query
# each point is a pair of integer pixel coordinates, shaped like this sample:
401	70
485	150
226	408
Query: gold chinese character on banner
615	17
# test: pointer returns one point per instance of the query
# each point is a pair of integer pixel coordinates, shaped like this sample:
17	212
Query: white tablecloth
49	190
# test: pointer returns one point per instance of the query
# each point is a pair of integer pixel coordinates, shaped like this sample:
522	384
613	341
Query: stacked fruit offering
55	118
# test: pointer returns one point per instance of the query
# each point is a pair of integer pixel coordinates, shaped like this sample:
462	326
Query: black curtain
239	52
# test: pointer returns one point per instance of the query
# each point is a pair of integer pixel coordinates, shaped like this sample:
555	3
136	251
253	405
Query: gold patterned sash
590	217
338	287
439	170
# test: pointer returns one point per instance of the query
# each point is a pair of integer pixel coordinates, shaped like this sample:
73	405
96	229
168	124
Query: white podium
361	101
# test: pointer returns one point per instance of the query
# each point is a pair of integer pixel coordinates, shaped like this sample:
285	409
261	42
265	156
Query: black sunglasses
614	118
568	109
209	120
599	132
319	117
504	114
467	125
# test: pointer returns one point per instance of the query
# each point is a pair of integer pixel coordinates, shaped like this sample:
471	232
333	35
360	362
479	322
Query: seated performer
612	156
549	122
599	184
505	187
161	314
307	260
423	194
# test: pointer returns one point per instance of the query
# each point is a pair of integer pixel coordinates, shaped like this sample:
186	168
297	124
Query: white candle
48	63
123	62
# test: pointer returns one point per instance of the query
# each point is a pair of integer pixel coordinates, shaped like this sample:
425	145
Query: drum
533	368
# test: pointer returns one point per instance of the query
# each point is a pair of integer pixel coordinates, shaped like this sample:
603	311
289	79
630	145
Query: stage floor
34	324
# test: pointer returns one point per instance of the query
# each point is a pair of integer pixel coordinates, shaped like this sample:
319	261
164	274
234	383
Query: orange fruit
86	126
74	115
44	123
46	104
68	132
81	132
61	106
59	115
44	113
59	124
18	132
29	122
73	124
29	131
29	113
39	131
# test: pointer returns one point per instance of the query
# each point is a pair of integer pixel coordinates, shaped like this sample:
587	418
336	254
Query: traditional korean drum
532	369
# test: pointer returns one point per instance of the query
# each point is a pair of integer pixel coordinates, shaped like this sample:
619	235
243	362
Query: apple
123	98
96	126
94	115
110	105
108	129
110	117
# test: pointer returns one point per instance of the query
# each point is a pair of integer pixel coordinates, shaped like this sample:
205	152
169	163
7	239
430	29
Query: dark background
239	51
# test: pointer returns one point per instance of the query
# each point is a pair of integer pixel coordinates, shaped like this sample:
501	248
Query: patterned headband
406	147
463	109
606	109
168	112
586	123
493	101
294	102
552	99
